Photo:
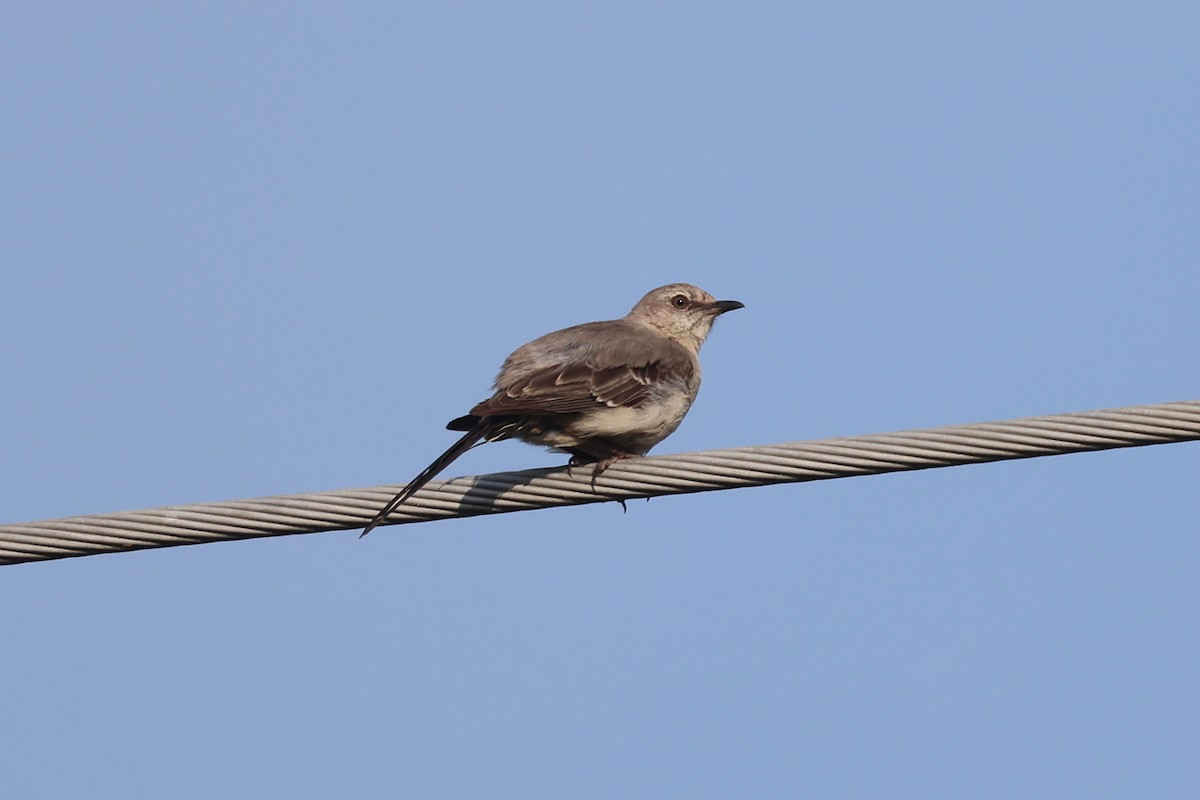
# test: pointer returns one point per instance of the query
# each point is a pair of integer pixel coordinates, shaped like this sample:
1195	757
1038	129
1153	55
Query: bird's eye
680	301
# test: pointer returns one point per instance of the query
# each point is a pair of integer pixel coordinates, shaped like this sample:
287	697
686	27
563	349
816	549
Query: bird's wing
579	368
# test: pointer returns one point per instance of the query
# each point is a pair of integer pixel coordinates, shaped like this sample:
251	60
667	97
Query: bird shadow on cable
483	493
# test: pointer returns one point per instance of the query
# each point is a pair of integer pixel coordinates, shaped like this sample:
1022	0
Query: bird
600	391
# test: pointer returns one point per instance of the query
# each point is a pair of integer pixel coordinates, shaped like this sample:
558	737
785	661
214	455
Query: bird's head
681	312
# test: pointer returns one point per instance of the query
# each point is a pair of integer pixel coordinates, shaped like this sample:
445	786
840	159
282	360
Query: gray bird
600	391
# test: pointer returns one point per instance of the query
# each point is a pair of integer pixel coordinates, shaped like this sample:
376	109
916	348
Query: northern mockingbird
600	391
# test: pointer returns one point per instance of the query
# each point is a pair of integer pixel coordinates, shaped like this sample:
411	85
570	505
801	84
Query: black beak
721	306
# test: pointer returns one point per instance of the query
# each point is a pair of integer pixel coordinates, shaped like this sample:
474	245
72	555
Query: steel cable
654	476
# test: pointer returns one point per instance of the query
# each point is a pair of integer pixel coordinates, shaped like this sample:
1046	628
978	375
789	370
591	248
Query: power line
654	476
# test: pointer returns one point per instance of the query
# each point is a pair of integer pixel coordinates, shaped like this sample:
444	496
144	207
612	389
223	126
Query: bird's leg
604	463
599	452
578	459
588	451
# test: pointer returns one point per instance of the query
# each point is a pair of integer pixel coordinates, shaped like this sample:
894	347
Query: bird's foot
578	461
605	463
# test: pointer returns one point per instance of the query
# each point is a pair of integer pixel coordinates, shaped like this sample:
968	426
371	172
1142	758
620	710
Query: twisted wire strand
952	445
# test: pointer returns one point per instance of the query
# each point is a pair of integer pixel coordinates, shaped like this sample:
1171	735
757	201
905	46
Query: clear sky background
255	249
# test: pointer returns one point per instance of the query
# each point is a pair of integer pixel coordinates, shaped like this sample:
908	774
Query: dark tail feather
480	431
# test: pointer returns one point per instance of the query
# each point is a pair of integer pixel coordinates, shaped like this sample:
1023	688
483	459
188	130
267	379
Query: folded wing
568	378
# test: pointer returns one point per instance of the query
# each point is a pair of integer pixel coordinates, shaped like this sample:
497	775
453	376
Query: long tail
479	431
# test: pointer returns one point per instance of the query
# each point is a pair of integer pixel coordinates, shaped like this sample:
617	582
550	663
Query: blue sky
268	249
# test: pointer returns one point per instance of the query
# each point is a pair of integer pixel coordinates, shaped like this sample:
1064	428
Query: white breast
640	428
